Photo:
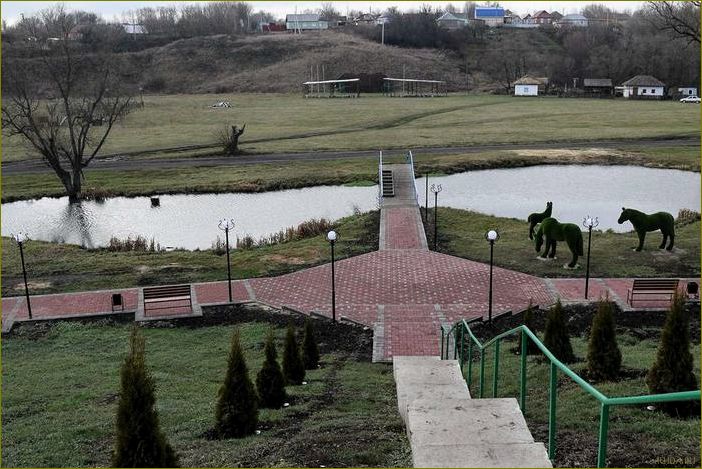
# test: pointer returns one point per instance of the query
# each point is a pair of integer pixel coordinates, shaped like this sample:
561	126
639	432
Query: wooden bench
652	286
170	293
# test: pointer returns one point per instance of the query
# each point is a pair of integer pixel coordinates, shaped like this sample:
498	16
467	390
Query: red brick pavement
410	283
402	228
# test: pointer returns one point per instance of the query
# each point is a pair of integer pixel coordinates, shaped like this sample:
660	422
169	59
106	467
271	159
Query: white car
691	99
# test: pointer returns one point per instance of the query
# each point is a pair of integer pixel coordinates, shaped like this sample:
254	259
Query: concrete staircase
388	184
447	428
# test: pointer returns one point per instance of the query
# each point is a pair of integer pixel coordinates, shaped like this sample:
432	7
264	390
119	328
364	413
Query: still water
190	221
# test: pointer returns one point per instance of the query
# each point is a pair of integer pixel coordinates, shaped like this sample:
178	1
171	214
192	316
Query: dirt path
126	161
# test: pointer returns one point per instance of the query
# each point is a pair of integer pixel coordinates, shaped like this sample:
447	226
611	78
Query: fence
457	334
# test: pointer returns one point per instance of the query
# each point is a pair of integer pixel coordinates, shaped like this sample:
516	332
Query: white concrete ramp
447	428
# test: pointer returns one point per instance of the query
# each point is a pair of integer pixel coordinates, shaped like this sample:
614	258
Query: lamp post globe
491	236
331	236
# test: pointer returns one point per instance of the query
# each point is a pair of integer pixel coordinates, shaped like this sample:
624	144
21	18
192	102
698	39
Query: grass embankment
277	176
62	267
462	233
60	396
287	122
637	437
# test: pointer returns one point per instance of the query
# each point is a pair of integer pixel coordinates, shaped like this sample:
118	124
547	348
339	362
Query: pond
190	221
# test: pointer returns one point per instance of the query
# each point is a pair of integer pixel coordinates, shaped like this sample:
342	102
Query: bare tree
328	11
63	104
230	139
680	18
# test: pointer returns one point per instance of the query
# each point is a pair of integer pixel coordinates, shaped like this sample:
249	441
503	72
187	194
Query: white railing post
414	181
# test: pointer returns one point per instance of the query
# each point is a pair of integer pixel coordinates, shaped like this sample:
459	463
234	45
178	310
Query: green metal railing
457	333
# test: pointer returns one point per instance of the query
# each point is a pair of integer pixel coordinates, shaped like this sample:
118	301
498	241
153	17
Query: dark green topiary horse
554	231
536	218
643	223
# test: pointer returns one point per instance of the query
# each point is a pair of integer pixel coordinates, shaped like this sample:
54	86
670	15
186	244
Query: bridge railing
461	330
380	177
410	158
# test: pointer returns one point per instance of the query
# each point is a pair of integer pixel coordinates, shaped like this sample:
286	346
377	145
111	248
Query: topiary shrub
293	368
310	352
556	337
528	321
237	408
270	382
672	371
139	442
604	359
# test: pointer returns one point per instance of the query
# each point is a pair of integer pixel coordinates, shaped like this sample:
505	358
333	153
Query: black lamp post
491	236
226	225
589	223
20	239
331	236
435	189
426	197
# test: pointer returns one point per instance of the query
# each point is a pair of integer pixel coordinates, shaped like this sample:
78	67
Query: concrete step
421	377
494	455
471	433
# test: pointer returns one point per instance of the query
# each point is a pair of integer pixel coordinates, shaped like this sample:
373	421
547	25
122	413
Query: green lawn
277	122
63	267
277	176
462	233
637	436
60	395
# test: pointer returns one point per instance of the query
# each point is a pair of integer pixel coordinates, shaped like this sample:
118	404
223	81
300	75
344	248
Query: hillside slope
279	63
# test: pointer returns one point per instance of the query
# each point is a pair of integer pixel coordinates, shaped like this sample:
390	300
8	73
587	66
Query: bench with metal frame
167	294
652	286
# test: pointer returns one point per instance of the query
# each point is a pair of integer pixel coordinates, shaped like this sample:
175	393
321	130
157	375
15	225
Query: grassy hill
279	63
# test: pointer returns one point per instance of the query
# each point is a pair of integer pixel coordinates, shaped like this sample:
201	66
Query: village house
491	16
555	16
366	18
452	21
305	22
574	20
687	91
542	17
643	87
530	86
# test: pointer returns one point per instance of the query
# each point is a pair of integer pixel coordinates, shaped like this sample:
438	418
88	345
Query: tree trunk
73	184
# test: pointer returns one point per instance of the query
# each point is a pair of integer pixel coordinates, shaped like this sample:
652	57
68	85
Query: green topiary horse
555	231
536	218
643	223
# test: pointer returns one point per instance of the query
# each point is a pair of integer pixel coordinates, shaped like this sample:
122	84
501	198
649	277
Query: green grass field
64	267
637	436
60	396
277	176
462	233
276	123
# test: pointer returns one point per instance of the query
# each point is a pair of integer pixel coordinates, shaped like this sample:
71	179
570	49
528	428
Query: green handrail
555	366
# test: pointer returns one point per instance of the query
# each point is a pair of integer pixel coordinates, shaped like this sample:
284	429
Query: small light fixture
331	236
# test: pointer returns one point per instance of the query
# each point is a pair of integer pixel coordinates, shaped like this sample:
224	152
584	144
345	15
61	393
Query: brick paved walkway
403	290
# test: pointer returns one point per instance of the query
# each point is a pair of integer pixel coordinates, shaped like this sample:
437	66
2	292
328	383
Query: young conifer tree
556	337
528	320
673	369
237	408
140	441
310	352
270	382
604	359
293	368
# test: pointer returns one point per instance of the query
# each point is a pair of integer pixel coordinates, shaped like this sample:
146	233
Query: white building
574	20
688	91
305	22
643	87
529	86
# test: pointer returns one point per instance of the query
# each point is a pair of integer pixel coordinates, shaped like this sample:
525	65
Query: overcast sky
11	10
